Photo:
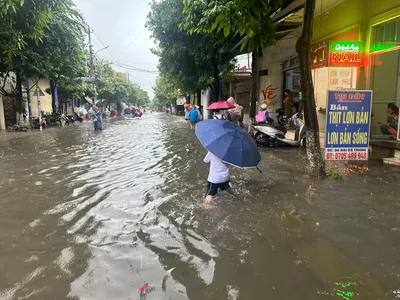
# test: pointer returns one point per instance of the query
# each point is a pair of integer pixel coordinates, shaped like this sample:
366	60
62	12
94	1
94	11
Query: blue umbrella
229	142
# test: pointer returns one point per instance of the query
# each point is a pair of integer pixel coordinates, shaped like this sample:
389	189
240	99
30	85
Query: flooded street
96	215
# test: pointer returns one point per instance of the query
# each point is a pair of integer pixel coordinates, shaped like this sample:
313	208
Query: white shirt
219	117
219	171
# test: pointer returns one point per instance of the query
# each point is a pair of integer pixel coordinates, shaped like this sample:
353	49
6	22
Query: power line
116	62
129	67
119	64
131	43
141	45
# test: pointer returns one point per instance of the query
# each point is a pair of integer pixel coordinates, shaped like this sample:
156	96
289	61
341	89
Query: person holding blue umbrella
227	144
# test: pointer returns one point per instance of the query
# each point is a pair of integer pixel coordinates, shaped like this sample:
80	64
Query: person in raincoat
193	117
93	117
97	118
99	115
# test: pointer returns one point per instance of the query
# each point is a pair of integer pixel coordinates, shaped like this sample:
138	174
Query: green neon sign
383	47
353	47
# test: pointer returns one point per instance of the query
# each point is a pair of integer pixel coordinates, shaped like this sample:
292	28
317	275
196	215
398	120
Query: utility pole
39	108
91	71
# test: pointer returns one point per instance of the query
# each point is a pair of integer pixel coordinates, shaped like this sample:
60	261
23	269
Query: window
387	33
291	63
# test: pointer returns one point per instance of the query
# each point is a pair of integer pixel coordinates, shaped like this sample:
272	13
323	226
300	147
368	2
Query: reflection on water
97	215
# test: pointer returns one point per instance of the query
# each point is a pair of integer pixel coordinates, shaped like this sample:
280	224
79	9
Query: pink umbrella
220	105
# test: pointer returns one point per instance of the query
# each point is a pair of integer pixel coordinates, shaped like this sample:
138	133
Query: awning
292	8
282	20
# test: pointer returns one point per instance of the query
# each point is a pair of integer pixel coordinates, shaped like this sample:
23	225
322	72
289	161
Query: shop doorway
385	83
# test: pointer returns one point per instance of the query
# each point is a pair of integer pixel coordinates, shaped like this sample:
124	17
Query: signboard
38	91
346	54
348	119
319	54
181	100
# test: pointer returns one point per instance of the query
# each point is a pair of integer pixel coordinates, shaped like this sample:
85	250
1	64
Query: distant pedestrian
200	117
218	177
263	115
218	115
97	118
288	103
193	117
188	108
389	127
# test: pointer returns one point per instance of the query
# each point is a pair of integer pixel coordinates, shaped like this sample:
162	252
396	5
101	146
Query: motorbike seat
274	125
279	127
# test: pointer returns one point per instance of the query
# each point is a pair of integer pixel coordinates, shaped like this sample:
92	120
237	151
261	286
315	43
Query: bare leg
208	198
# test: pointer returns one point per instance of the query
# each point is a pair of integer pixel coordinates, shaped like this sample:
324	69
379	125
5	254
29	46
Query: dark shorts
212	188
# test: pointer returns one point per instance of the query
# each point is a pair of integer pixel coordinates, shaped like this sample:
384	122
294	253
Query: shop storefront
336	63
384	68
291	77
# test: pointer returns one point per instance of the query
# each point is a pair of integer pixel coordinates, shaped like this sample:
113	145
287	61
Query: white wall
2	119
244	60
271	85
205	102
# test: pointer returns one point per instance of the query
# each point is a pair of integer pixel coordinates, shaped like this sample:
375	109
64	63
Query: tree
62	49
303	47
116	88
195	60
22	22
40	39
247	19
166	91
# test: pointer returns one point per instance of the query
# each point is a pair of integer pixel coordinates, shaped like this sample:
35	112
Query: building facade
355	46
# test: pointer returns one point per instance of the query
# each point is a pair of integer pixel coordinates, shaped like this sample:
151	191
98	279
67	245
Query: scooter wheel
262	140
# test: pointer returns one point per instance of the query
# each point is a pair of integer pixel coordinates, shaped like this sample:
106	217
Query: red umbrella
221	105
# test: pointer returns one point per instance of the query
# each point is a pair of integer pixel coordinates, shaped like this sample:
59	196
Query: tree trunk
303	46
217	81
19	100
119	107
53	85
198	92
254	78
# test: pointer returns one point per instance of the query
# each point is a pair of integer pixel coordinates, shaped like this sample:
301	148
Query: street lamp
101	49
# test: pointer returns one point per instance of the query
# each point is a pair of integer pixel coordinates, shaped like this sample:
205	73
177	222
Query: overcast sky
120	25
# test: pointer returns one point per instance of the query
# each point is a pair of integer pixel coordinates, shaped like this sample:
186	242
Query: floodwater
96	215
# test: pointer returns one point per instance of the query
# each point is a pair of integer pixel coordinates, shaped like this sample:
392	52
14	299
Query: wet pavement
96	215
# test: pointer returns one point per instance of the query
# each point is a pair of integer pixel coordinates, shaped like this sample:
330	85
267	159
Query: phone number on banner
351	155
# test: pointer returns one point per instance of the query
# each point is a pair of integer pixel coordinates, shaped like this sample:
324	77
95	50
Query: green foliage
42	39
250	18
193	60
116	88
166	91
333	175
26	23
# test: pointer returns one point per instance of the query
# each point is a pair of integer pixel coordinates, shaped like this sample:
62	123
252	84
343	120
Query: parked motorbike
55	119
281	117
69	119
35	123
274	135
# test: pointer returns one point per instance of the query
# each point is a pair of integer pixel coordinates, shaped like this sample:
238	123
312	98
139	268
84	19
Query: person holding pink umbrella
219	107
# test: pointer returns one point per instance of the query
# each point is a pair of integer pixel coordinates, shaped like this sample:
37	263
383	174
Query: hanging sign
318	54
346	54
348	119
